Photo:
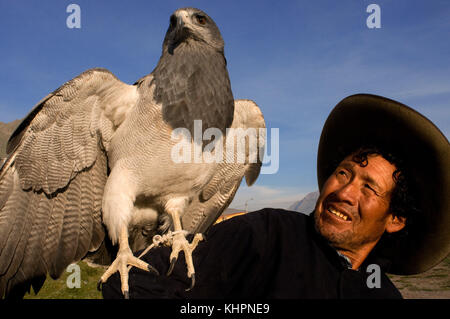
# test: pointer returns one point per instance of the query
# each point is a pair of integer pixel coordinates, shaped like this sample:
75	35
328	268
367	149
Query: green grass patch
60	288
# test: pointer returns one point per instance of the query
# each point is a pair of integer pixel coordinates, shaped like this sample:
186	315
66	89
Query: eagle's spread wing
51	183
220	191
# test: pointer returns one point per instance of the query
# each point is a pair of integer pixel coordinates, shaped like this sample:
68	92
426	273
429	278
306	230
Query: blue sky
296	59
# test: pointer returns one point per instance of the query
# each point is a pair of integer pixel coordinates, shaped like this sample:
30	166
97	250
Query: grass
58	289
434	283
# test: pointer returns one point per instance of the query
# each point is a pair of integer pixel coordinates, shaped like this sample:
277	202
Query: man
384	179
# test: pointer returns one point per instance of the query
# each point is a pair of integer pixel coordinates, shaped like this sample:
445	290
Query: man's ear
395	223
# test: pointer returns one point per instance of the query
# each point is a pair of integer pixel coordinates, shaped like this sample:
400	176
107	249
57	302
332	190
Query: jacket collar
341	261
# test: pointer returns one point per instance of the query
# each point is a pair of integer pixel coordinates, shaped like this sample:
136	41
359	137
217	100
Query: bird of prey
97	151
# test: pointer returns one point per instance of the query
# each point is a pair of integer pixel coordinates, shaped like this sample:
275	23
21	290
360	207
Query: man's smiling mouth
337	213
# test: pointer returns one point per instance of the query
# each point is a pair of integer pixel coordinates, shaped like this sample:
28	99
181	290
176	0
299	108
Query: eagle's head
188	25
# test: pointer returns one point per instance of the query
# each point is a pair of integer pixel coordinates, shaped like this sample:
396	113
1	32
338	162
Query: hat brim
364	119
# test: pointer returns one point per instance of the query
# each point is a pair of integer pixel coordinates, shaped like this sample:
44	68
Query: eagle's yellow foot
179	243
124	258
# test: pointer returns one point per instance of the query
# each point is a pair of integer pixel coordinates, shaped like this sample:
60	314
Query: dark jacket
270	253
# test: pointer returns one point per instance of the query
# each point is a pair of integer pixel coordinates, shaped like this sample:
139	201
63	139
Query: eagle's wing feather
51	183
220	191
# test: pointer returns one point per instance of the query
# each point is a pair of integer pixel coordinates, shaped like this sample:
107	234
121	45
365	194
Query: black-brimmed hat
365	119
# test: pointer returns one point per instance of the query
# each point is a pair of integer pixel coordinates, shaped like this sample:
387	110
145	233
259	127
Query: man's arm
223	267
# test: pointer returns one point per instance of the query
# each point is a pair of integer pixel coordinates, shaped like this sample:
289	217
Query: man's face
353	208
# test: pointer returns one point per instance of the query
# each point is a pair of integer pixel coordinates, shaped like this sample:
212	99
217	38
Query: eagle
96	156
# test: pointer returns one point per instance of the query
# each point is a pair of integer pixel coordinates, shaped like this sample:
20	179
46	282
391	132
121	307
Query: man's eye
371	189
341	174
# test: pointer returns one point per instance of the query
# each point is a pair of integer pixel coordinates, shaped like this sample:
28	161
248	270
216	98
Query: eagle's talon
192	283
172	265
99	285
153	270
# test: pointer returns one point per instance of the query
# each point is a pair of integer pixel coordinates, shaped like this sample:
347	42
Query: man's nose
348	193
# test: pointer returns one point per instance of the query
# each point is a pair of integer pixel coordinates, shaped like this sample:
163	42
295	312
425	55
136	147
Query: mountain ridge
307	204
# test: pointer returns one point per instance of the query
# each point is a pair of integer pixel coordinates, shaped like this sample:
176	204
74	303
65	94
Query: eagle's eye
201	19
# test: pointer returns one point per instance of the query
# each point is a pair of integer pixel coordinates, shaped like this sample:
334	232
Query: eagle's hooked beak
181	16
181	30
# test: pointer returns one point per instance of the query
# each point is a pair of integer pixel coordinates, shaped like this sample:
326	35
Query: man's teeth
335	212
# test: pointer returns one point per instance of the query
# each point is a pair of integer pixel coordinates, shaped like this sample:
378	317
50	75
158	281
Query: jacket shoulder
273	215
